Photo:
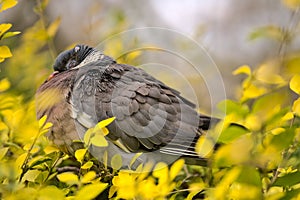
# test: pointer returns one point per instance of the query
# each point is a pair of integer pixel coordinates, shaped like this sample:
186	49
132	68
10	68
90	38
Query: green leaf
267	106
291	194
3	152
90	191
10	34
249	175
271	32
31	175
231	106
116	162
38	160
87	165
283	140
288	180
231	133
295	83
6	4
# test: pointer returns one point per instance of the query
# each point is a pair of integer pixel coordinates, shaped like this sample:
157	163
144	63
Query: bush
259	162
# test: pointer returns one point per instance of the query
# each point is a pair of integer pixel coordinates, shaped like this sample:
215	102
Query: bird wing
148	113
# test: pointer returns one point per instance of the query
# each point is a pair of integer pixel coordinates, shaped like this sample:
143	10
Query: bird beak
52	75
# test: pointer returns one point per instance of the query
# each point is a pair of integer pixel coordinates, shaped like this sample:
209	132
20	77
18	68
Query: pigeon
152	121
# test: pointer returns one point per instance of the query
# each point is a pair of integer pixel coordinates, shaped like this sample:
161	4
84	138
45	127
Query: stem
292	25
50	42
286	155
23	167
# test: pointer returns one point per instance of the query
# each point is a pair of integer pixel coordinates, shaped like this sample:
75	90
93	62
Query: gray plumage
150	116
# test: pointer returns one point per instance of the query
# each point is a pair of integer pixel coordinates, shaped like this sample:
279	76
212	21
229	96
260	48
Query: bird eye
76	49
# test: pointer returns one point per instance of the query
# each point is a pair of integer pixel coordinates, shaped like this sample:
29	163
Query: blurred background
225	28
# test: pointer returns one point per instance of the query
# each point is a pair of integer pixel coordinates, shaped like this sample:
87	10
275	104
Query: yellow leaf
105	131
87	136
20	160
271	32
68	178
204	147
31	175
6	4
10	34
134	54
4	85
34	149
253	122
50	149
176	168
295	84
277	131
292	4
244	191
105	122
245	69
90	191
221	190
269	73
148	190
236	152
99	140
52	29
79	154
296	107
287	116
5	52
87	165
3	152
51	192
88	177
112	190
252	92
42	121
161	172
4	28
116	162
45	128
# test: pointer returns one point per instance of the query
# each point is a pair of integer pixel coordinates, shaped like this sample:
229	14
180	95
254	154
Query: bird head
71	58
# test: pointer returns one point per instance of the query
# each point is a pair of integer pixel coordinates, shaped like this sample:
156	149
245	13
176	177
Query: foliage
257	160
